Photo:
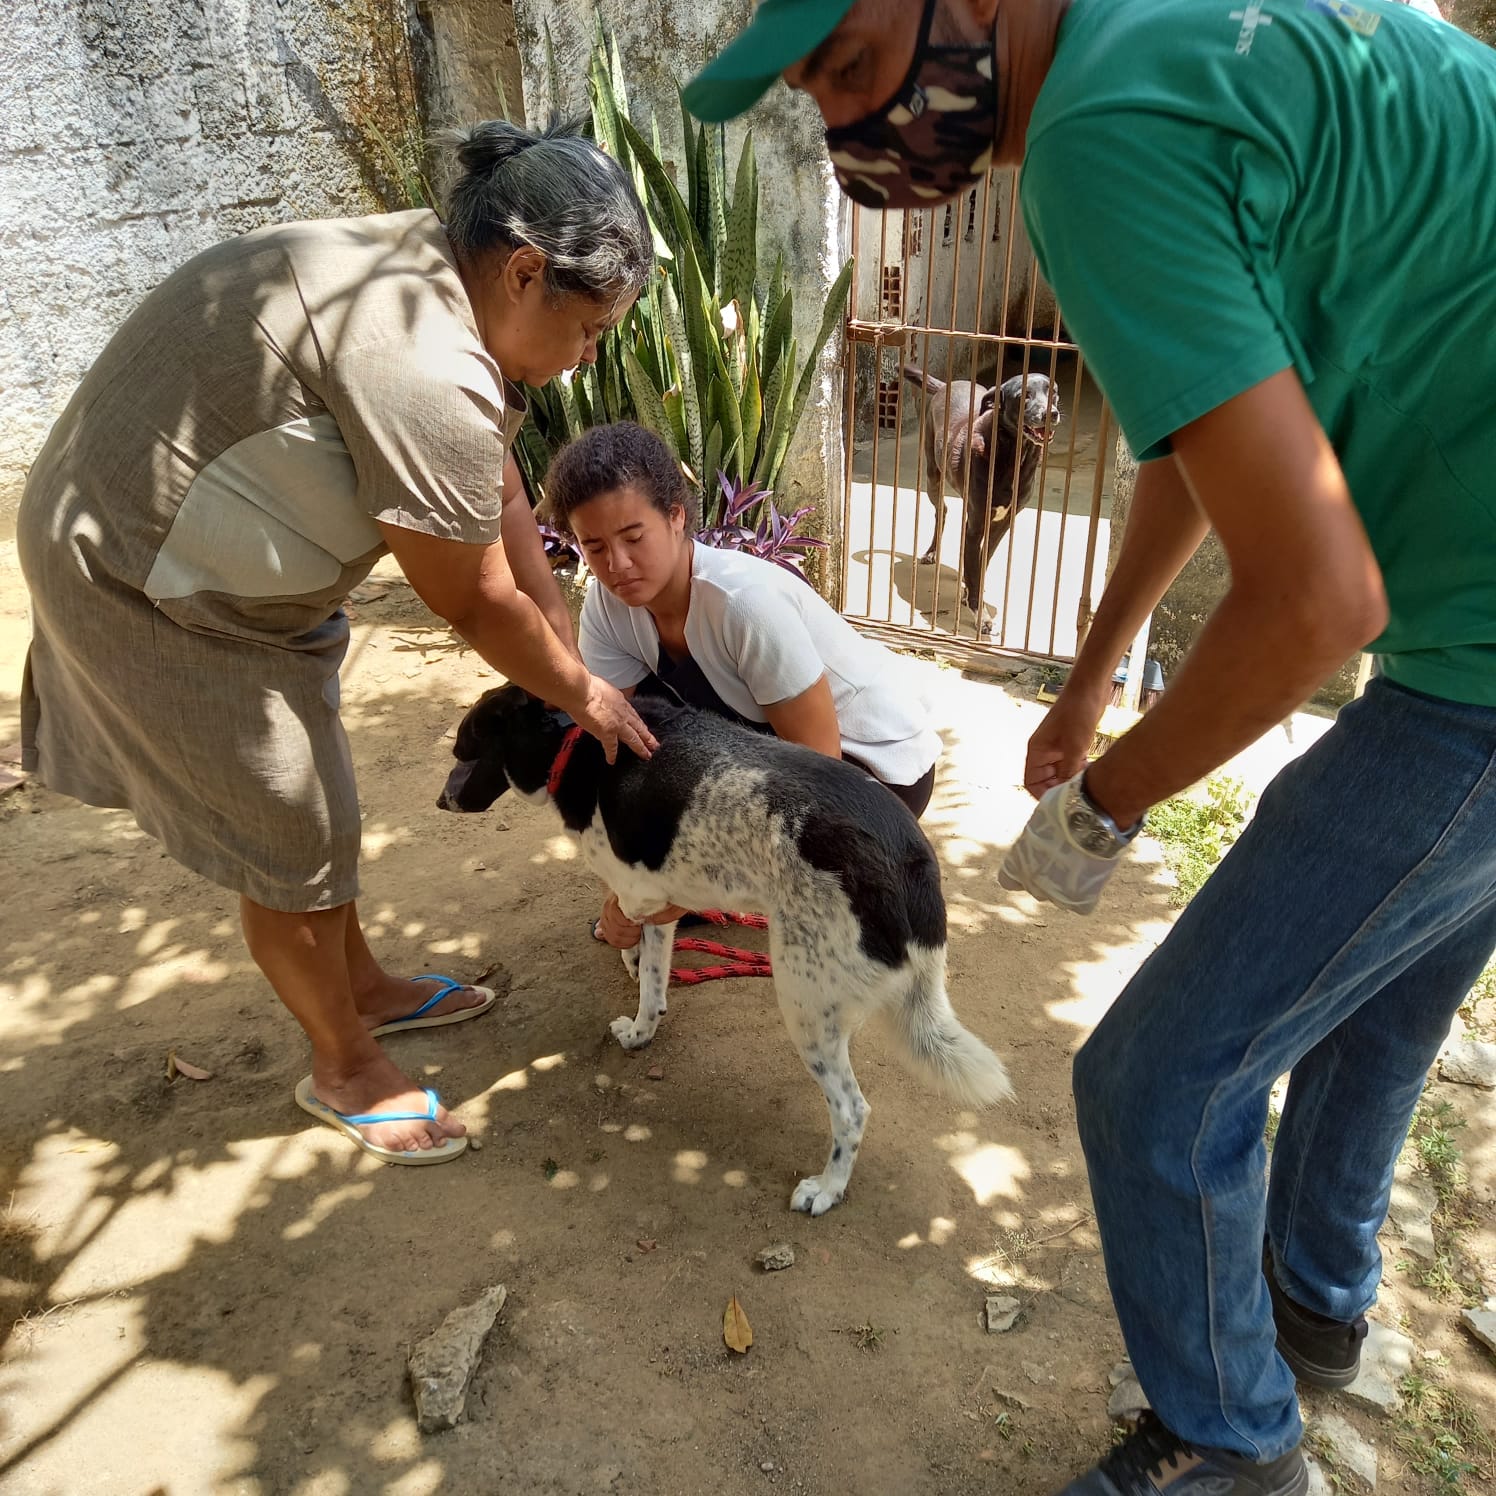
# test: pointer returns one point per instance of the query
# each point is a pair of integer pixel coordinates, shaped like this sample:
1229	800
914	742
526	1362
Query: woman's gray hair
554	191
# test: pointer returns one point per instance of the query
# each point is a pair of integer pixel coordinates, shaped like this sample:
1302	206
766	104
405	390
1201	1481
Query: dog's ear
989	398
481	728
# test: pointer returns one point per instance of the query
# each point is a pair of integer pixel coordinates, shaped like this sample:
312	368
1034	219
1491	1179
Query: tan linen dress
201	510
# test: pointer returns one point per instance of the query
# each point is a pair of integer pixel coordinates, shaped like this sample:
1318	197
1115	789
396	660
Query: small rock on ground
1128	1398
1411	1211
1386	1358
1481	1323
1469	1062
442	1365
776	1258
1351	1451
1002	1313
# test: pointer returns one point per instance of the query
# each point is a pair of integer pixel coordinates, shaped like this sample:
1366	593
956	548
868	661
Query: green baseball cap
780	33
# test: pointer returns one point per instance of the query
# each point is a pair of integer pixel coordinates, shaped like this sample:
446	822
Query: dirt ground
203	1291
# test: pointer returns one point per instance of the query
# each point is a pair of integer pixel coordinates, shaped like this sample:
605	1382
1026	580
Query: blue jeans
1335	941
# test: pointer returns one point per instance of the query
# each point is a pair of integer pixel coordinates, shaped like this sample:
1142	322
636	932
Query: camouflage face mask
932	140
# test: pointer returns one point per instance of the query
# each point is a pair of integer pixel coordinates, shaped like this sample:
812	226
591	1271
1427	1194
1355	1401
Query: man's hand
609	716
623	933
1059	748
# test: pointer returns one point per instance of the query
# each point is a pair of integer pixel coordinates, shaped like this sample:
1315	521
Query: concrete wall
476	61
801	209
134	133
952	266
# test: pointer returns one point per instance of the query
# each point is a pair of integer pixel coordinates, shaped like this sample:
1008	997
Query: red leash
563	757
734	961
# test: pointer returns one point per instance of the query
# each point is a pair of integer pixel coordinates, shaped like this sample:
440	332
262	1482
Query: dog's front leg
655	946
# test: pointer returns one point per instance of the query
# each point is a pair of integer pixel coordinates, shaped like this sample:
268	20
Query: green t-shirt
1220	192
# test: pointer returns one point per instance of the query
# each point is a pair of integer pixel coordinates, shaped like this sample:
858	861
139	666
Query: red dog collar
563	757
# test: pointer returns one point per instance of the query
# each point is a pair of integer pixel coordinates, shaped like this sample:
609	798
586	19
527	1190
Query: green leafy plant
1197	832
707	357
1433	1135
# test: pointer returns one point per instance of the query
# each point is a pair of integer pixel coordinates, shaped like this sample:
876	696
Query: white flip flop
419	1019
349	1125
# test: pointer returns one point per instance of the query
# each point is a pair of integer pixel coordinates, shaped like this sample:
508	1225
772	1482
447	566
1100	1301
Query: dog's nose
450	797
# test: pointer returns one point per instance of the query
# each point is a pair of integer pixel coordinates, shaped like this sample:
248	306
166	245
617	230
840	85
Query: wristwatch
1091	828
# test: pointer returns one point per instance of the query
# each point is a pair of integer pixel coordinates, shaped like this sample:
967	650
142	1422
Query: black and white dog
724	818
988	444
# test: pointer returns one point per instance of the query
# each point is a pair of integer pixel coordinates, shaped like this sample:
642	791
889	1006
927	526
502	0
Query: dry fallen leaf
655	1072
736	1330
176	1067
646	1244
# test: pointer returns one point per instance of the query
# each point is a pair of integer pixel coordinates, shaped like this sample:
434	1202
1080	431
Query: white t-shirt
760	637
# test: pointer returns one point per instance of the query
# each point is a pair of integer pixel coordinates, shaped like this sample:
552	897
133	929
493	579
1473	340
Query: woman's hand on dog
622	933
611	719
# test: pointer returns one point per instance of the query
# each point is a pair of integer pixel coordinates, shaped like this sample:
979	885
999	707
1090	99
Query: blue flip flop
350	1123
423	1017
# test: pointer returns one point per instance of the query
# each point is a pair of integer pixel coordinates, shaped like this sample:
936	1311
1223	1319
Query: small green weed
1440	1280
1442	1435
1433	1135
1196	833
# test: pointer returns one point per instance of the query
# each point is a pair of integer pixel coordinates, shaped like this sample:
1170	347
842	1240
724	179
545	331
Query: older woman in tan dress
275	416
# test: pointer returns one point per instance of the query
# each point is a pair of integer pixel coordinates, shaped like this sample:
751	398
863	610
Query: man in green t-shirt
1272	228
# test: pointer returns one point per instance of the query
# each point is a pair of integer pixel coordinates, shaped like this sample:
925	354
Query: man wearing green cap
1271	227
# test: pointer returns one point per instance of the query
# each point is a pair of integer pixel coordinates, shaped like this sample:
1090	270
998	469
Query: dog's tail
944	1052
918	376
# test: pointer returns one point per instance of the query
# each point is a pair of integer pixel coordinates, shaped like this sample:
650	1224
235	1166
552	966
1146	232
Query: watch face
1089	832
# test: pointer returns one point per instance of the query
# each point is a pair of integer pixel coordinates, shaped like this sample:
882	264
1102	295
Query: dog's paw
928	559
813	1199
630	1033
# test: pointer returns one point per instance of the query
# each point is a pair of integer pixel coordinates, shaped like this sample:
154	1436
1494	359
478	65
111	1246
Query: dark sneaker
1323	1352
1151	1461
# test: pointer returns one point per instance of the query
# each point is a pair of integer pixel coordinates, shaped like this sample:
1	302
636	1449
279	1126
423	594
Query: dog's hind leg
655	946
815	1019
937	498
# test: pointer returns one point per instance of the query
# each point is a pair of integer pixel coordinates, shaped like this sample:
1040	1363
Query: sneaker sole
1330	1378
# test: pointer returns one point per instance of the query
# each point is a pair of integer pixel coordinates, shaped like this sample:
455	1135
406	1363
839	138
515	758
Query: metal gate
956	292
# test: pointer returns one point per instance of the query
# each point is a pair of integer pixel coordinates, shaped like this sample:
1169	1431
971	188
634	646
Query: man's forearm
1256	660
1164	529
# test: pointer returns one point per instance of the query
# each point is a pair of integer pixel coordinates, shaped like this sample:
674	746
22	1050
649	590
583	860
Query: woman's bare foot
383	998
379	1086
